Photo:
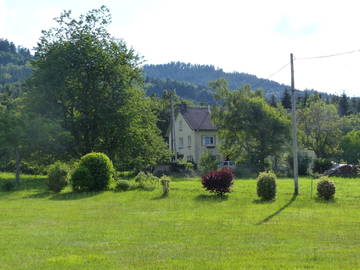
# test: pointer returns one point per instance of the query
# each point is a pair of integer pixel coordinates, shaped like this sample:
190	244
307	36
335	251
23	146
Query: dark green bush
321	165
122	185
80	179
326	188
8	186
266	186
57	176
98	175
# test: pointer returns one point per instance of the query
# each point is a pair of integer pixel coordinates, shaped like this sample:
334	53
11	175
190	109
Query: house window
181	142
180	125
209	140
189	140
190	158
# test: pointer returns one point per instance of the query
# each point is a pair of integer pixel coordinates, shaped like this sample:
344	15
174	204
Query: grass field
190	229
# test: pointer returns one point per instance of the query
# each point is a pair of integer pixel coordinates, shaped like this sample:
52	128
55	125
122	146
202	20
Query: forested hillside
14	63
200	75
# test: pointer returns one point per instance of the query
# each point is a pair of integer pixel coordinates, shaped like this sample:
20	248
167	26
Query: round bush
122	185
100	170
218	182
326	188
266	186
80	179
57	176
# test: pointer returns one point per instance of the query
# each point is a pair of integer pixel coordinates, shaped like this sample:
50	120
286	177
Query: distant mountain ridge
200	75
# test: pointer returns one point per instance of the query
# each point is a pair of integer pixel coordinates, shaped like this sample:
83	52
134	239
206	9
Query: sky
251	36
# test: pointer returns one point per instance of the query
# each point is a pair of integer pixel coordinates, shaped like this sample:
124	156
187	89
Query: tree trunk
18	167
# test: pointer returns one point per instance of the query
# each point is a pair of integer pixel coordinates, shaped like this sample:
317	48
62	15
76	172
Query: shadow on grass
160	197
61	196
210	198
68	196
322	200
293	198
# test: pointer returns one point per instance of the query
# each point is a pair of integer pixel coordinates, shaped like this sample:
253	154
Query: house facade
194	133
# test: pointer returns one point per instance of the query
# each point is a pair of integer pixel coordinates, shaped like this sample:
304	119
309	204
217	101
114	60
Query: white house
194	133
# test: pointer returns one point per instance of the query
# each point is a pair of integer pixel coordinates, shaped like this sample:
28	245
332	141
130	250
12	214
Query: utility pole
173	137
294	128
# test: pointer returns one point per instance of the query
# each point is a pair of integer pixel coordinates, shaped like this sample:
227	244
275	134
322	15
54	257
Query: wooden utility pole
294	127
173	137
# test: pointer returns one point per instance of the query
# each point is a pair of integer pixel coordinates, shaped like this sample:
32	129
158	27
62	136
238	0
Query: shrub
80	179
326	188
57	176
218	182
146	180
122	185
321	165
8	186
207	162
98	174
266	186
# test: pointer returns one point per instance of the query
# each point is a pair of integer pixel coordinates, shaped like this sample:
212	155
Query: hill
178	74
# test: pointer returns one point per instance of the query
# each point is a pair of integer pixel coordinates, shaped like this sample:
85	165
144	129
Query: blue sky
251	36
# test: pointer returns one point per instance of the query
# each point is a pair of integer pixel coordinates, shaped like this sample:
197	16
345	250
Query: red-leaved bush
218	182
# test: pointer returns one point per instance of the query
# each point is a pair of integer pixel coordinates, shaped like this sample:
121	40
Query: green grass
190	229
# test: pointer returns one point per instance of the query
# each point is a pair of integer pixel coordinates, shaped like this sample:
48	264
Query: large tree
250	129
320	127
93	84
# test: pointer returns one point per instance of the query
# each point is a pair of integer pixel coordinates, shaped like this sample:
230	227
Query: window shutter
202	140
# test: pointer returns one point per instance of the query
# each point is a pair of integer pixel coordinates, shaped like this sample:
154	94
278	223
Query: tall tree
93	83
320	126
286	99
344	105
250	128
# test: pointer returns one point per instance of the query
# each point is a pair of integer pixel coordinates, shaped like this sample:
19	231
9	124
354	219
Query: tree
250	129
92	83
320	127
350	145
286	99
31	137
344	105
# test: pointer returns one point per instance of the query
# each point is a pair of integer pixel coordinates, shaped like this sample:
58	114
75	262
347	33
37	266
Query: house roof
198	118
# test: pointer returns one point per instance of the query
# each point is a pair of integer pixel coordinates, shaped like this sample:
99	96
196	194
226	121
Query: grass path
187	230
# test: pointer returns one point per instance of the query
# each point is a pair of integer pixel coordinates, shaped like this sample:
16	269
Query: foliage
286	99
122	185
91	83
266	186
218	182
207	162
304	161
320	126
350	146
321	165
80	178
8	186
28	137
250	129
146	180
326	188
57	176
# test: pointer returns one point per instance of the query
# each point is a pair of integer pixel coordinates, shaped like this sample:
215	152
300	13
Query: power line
277	71
327	56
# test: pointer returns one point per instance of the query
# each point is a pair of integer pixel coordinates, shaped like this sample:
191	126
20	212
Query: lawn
190	229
